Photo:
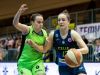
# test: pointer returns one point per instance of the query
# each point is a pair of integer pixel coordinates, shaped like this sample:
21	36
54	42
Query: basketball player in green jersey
30	61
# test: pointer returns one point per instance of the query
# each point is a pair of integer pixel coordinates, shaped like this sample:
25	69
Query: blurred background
85	19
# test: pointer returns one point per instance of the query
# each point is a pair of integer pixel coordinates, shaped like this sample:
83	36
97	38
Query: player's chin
39	29
62	27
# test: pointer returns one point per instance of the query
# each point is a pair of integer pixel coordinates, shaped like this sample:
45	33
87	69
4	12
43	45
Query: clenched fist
46	41
30	42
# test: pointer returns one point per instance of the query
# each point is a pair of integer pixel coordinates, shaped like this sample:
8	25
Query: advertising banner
91	31
50	68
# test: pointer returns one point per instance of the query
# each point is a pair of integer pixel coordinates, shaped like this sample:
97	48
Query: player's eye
39	22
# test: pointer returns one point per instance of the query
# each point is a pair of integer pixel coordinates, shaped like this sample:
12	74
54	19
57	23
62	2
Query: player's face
38	23
62	21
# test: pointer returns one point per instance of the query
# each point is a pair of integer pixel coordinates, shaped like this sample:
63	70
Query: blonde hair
65	12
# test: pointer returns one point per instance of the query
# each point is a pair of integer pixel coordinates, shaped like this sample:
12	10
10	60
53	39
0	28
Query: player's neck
64	31
36	31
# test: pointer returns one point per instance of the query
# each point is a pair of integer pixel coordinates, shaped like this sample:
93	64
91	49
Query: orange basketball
73	58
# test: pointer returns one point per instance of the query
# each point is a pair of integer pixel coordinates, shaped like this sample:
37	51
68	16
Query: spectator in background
23	20
19	39
13	44
11	41
0	56
2	44
91	6
3	54
16	38
84	39
99	40
10	37
97	50
18	44
27	19
5	46
90	42
6	40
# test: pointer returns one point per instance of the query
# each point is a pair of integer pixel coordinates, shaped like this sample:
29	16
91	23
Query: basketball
73	58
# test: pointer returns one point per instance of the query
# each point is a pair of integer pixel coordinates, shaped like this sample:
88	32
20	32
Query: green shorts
37	68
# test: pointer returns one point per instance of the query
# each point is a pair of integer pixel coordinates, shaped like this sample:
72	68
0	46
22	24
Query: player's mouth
40	27
61	25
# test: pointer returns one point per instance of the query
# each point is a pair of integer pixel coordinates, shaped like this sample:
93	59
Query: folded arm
41	48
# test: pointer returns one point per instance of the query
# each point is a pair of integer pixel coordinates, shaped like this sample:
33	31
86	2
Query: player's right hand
30	42
46	41
22	8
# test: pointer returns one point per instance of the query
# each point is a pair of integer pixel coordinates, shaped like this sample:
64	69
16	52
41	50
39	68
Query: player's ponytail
66	13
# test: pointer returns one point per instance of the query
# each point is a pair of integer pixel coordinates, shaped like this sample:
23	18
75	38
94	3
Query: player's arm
76	37
21	27
41	48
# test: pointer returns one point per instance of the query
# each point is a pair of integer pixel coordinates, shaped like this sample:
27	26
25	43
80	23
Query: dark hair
65	12
32	18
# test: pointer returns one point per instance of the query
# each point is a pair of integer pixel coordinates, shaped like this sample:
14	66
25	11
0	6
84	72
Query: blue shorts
65	70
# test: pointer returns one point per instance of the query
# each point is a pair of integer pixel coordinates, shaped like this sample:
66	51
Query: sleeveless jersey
62	46
28	54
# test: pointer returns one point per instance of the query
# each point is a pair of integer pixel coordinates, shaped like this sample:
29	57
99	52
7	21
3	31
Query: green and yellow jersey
29	55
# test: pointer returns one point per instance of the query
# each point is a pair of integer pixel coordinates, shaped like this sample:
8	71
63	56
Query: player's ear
32	22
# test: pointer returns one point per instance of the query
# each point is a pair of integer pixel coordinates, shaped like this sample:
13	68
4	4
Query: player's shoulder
73	32
30	27
51	34
43	30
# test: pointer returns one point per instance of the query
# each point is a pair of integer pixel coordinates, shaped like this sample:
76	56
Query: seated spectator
84	39
5	46
97	50
2	44
99	40
6	40
3	54
18	43
10	43
16	38
90	42
13	44
0	56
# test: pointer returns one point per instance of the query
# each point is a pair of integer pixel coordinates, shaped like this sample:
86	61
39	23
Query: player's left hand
71	49
29	41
